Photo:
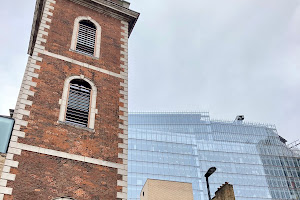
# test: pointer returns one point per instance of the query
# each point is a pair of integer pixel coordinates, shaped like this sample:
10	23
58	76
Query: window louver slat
76	118
86	33
78	105
78	100
86	39
80	94
87	44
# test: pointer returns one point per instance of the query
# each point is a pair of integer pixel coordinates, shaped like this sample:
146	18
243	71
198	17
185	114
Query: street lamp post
209	172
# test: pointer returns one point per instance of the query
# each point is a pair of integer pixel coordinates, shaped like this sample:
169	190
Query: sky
228	57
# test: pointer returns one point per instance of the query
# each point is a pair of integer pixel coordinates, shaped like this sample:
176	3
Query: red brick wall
42	177
43	129
45	177
60	35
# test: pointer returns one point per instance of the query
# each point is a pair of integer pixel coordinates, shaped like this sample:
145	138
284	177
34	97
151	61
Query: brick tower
70	134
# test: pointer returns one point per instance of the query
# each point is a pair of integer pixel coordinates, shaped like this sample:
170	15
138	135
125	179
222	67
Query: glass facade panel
183	146
6	126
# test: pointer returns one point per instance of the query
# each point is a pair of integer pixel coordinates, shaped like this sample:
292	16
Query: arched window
78	106
78	102
86	36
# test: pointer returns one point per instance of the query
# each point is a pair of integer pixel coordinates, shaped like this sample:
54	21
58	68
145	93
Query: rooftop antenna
11	112
239	119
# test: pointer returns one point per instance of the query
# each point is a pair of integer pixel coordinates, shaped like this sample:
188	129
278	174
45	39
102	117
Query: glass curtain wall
183	146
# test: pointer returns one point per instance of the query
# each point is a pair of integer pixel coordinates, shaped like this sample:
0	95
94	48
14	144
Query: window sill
93	57
77	126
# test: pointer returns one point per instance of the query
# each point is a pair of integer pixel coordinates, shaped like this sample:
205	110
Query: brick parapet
225	192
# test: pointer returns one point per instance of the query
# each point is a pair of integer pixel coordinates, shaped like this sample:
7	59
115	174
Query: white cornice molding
65	155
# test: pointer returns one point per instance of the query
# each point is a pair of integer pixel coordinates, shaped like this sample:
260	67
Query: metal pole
208	190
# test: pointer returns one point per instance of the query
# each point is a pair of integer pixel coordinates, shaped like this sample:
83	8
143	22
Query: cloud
228	57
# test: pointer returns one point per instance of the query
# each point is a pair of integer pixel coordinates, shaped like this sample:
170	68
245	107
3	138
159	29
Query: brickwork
225	192
51	177
47	132
62	27
166	190
48	158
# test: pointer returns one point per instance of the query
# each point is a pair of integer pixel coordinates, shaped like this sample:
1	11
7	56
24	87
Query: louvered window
78	103
86	37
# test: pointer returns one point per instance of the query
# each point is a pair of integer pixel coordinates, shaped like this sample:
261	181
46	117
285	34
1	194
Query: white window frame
97	39
64	101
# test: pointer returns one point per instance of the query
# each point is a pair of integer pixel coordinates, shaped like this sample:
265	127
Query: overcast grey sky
228	57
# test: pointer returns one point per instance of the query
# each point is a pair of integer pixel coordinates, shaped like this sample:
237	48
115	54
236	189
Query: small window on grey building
78	103
86	37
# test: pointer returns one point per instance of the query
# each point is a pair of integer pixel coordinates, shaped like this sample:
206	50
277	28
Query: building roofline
103	6
204	114
8	117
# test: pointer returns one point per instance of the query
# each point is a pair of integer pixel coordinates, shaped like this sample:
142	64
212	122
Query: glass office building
183	146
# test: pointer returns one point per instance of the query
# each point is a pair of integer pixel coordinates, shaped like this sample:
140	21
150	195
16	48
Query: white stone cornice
82	64
65	155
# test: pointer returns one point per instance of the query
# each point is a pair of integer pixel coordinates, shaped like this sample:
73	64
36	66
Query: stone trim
75	34
2	161
64	101
60	154
124	109
76	126
5	190
3	182
20	111
26	90
47	53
